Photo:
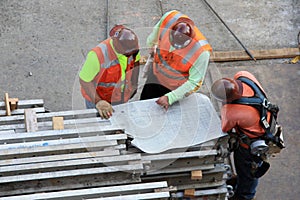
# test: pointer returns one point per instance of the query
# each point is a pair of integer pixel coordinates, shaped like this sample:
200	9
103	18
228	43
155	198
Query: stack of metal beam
76	155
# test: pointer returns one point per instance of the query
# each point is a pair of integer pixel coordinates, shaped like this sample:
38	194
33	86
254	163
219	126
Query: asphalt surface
44	44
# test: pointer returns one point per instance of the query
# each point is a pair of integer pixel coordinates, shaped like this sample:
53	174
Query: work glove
105	109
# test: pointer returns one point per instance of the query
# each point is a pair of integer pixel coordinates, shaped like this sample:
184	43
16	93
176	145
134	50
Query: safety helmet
227	90
181	34
125	40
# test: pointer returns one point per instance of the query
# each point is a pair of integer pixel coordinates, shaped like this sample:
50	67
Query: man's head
227	90
181	33
125	40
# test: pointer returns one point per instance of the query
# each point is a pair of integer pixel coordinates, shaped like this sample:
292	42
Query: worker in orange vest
251	122
180	59
110	73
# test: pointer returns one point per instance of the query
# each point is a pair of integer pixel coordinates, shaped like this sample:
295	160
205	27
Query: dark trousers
152	88
246	182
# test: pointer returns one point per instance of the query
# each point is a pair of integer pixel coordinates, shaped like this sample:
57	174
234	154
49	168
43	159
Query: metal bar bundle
77	155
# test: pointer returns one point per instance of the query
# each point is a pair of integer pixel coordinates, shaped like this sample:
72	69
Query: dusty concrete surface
51	38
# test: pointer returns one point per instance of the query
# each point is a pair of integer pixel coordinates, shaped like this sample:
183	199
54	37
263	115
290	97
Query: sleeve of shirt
228	122
90	68
194	82
152	38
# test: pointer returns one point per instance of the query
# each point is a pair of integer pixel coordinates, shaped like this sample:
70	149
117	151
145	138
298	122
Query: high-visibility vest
108	83
172	68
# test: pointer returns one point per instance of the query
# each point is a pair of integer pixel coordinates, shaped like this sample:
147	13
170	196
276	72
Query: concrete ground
44	43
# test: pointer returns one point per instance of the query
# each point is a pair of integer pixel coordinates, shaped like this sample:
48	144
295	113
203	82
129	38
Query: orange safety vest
172	68
109	85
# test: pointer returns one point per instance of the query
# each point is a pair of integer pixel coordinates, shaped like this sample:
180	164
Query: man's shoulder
244	74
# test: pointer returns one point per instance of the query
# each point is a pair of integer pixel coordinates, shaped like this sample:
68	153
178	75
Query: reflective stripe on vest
107	62
115	85
166	65
195	48
170	23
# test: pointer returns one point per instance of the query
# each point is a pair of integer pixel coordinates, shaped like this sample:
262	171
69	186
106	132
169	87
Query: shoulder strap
260	102
258	99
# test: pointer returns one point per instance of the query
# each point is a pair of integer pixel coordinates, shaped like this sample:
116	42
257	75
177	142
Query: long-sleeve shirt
196	73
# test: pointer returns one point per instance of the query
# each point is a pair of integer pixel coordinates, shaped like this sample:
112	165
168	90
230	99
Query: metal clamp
266	103
230	191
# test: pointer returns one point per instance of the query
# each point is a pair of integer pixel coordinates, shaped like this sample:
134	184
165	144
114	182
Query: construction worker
180	59
109	75
243	122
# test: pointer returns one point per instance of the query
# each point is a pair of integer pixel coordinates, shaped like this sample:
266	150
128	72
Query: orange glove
105	109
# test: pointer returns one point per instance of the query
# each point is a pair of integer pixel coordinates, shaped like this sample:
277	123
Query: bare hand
164	102
105	109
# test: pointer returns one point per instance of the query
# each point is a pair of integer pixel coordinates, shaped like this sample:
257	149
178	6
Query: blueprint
188	122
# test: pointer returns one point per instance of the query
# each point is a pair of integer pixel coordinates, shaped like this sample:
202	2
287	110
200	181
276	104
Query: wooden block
189	192
7	107
58	123
30	120
196	175
13	102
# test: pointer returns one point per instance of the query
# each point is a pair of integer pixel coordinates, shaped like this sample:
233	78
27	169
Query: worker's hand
105	109
164	102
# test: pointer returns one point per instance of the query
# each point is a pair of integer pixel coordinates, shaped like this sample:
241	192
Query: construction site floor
44	44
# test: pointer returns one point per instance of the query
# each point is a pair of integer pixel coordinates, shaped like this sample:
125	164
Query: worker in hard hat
249	118
109	75
180	59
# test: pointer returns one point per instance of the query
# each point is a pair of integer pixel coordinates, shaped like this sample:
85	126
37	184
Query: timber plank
225	56
7	107
219	56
